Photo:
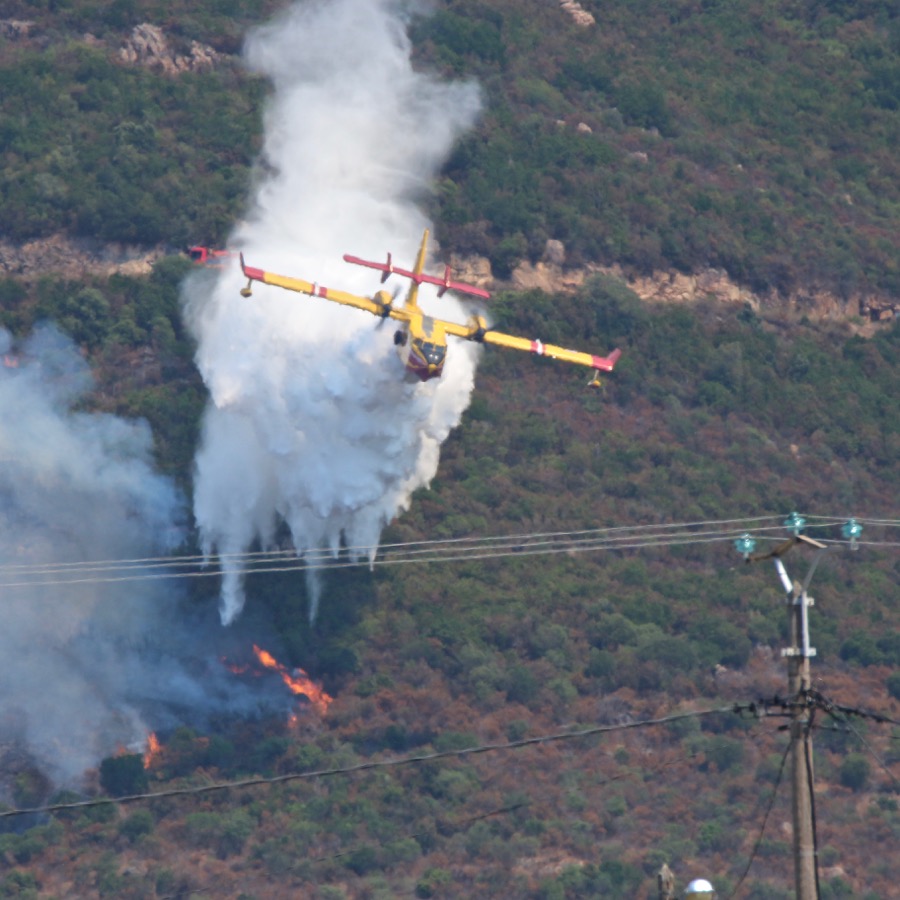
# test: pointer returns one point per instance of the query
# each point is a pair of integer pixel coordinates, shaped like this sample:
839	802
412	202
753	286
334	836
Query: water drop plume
310	421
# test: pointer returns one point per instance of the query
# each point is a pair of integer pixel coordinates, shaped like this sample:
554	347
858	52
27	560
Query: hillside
595	586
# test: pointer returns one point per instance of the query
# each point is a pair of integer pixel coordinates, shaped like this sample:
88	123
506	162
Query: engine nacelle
477	327
384	300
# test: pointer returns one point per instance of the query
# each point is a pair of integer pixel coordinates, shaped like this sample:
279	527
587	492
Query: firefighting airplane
421	340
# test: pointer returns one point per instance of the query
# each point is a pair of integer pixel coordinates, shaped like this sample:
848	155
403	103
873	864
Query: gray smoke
310	421
73	487
89	665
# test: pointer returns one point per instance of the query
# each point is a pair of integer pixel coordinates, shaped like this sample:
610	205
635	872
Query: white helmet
698	887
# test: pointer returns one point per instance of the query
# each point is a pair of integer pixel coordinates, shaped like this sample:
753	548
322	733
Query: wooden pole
665	880
801	749
798	655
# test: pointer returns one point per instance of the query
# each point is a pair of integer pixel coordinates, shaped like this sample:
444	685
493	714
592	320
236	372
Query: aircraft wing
476	330
382	310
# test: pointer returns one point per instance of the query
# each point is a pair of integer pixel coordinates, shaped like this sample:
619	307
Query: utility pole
799	685
665	882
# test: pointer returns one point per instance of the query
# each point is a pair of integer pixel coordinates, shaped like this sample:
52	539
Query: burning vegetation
153	752
297	681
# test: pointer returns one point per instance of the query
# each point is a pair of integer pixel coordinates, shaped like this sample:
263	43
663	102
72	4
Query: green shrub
138	824
123	775
854	771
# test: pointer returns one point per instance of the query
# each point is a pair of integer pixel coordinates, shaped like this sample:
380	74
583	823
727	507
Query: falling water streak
310	420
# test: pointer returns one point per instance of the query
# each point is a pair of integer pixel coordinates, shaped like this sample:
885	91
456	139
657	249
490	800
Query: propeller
386	307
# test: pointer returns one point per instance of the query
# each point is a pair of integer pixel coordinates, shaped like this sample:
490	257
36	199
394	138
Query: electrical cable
745	522
445	826
313	555
454	550
765	821
871	750
373	764
810	787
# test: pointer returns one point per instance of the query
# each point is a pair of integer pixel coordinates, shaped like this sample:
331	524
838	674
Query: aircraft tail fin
417	276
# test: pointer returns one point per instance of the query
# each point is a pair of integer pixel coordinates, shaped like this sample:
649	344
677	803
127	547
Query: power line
376	764
871	750
326	555
315	554
762	830
438	551
447	826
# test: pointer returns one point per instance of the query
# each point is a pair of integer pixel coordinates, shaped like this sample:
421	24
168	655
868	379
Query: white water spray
310	420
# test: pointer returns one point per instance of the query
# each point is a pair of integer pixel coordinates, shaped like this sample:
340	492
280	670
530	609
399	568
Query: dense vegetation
679	169
121	154
751	149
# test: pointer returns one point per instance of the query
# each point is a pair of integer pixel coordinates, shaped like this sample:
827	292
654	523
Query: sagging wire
372	764
439	550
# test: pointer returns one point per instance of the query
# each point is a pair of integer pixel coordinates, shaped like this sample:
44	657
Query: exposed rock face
709	284
15	29
72	258
551	275
472	270
75	258
555	253
148	46
580	15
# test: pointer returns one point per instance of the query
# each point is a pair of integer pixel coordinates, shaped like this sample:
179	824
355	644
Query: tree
123	775
854	772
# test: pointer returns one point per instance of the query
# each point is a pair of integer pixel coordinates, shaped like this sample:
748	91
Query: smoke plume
310	421
71	485
93	660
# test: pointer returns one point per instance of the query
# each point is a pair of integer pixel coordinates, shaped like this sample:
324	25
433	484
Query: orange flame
153	751
298	682
234	667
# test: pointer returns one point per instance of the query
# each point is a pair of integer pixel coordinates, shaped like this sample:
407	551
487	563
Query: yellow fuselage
425	347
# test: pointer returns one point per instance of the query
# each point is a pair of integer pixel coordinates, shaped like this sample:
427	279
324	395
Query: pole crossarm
808	700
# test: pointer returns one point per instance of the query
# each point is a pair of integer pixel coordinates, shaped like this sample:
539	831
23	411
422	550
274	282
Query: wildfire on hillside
298	682
153	751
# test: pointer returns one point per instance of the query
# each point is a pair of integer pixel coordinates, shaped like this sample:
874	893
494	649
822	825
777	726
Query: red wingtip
607	363
251	271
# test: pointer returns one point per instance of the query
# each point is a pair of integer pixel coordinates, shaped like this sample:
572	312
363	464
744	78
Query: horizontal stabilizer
445	283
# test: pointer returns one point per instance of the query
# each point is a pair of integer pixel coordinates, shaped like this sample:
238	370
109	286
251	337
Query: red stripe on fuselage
417	365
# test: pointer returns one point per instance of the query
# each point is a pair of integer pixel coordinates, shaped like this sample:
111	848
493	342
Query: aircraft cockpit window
428	325
433	353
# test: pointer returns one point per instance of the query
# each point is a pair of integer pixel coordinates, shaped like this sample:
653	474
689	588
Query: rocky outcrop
578	13
550	274
15	29
715	285
72	258
148	46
